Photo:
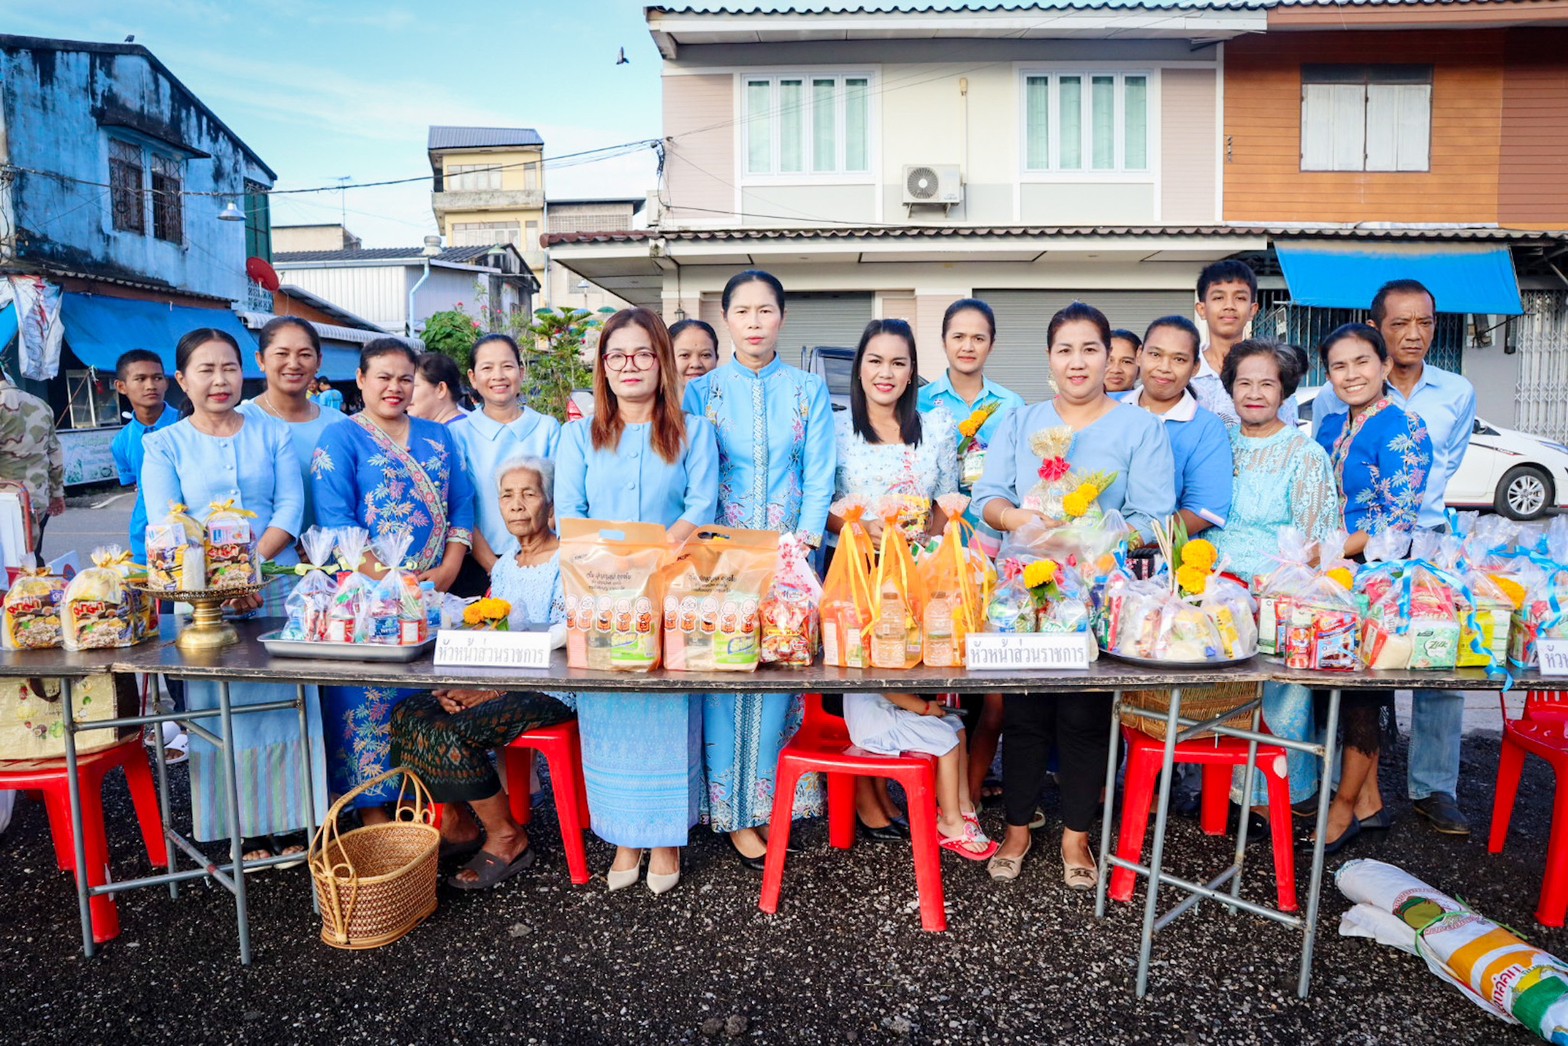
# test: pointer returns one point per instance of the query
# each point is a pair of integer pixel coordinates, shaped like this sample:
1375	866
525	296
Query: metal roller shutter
1022	316
822	319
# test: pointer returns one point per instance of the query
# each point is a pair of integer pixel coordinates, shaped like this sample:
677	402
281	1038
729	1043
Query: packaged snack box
176	552
32	611
713	594
230	547
611	570
96	611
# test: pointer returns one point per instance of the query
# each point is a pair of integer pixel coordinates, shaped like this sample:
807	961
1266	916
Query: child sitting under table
891	724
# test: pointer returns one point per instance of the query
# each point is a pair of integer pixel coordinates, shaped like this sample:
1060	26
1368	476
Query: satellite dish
259	270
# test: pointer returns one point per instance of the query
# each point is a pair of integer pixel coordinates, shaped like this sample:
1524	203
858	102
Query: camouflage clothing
30	451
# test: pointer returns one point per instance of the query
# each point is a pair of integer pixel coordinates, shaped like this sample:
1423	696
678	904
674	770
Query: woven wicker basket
1146	710
376	883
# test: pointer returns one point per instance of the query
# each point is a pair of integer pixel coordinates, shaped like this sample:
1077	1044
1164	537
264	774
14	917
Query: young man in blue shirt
139	377
1199	443
1405	313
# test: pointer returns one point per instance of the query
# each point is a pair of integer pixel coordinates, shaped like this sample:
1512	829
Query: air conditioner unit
933	183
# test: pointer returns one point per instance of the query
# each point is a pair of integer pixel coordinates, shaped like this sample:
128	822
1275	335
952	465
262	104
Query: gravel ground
844	961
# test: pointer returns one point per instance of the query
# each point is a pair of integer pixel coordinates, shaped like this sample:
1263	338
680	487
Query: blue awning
1463	277
7	325
99	329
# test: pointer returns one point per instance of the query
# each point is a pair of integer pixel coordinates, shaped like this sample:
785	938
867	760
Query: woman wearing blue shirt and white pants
1110	437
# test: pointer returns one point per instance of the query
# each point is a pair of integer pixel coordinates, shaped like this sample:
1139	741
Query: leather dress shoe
1444	813
892	832
752	864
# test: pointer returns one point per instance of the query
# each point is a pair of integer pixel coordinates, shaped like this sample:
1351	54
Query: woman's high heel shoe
661	882
752	864
620	879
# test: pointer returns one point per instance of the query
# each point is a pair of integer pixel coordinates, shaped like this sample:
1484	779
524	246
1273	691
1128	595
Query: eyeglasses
643	359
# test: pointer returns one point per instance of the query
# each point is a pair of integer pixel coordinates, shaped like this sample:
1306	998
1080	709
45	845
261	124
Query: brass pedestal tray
207	631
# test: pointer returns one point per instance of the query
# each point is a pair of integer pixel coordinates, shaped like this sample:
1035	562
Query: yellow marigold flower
968	427
472	615
1192	579
1343	576
1199	553
1088	490
1076	504
1512	589
1040	572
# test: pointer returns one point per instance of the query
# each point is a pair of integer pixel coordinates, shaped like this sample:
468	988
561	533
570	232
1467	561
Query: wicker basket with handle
376	883
1146	710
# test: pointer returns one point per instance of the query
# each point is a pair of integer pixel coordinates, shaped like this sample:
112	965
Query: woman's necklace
400	438
265	400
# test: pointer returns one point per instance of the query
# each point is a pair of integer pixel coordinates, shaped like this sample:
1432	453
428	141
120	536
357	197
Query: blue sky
348	87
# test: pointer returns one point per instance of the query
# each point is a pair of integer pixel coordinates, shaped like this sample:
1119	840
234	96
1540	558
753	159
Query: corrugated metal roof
939	232
445	137
1061	5
449	254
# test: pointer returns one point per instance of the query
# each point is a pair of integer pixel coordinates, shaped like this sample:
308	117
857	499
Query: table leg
306	758
162	764
1246	805
1309	938
73	786
1101	885
1157	853
236	843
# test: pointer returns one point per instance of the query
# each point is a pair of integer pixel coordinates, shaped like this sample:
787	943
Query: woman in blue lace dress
446	737
1380	457
1282	480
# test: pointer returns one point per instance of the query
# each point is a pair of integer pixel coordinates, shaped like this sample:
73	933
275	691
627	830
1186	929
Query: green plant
555	357
452	333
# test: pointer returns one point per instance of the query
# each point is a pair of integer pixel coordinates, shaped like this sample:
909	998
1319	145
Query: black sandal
452	850
490	870
282	844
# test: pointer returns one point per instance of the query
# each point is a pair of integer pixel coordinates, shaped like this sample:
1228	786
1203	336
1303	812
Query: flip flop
289	845
958	844
450	851
491	871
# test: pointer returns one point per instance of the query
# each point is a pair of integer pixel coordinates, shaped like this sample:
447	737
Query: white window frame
1395	91
808	176
1086	173
460	172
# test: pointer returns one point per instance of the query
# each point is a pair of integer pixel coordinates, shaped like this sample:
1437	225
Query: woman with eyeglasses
640	459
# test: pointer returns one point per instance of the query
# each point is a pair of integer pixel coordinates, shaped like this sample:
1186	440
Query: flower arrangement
488	615
1040	580
970	427
1060	495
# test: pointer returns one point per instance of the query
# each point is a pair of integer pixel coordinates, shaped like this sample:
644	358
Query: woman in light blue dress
290	356
1283	479
219	454
383	470
502	429
1107	437
776	462
447	736
640	459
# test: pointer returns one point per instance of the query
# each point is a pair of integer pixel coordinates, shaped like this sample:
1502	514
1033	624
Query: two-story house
113	180
489	187
885	162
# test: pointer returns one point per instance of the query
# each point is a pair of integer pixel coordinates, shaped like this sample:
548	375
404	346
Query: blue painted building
113	177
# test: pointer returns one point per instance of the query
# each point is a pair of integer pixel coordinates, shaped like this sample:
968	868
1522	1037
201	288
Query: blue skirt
742	737
642	761
358	722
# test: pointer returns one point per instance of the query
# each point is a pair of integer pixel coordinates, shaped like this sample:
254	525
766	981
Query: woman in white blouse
888	446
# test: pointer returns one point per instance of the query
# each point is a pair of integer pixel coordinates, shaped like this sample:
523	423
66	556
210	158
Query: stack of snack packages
790	615
98	610
1278	590
230	547
1528	567
397	605
958	579
1222	599
898	597
309	605
712	597
176	552
610	575
348	614
1308	616
847	594
1485	610
1187	612
32	611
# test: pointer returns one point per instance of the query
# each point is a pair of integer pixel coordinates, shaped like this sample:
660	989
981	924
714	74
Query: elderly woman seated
446	736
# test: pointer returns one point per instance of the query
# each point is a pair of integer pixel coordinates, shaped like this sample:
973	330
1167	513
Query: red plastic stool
561	746
48	776
1542	731
822	745
1217	756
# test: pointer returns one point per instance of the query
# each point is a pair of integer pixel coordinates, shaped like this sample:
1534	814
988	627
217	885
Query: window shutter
1317	127
1414	127
1383	127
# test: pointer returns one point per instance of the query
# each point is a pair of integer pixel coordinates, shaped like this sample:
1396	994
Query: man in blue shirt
968	335
329	396
1227	303
1199	442
139	377
1405	313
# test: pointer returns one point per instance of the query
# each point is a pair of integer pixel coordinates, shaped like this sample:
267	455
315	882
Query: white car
1509	472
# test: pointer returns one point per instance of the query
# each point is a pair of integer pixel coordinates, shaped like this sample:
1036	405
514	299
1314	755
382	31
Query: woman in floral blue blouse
1381	456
